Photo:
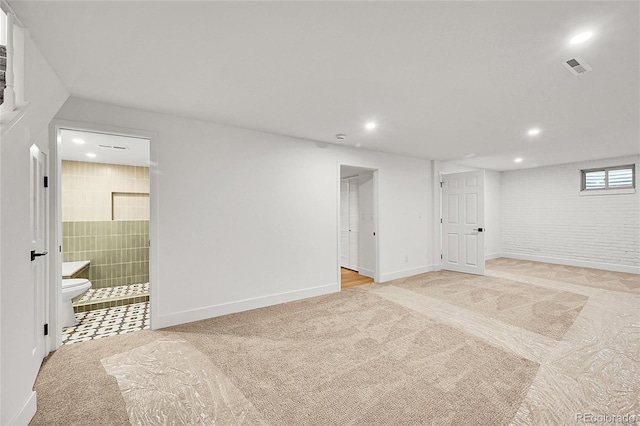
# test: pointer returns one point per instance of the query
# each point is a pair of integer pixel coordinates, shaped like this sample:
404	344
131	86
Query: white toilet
71	288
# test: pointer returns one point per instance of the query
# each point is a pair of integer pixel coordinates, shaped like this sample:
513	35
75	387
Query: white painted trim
376	205
407	273
26	413
0	276
367	272
243	305
492	256
338	236
572	262
55	288
592	192
8	119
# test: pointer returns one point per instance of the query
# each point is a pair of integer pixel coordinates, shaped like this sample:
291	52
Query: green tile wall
118	250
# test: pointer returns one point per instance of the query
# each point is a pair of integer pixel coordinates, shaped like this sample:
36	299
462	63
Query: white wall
544	218
46	94
3	28
492	213
247	219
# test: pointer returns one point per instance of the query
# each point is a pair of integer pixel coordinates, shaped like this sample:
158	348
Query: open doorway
104	240
358	226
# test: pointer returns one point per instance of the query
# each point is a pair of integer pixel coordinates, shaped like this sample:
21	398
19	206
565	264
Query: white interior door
367	226
344	223
349	223
39	259
463	222
354	223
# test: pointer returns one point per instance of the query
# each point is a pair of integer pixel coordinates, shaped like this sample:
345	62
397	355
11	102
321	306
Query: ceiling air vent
576	66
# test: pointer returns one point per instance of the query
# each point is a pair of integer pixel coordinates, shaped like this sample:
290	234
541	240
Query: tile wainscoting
118	250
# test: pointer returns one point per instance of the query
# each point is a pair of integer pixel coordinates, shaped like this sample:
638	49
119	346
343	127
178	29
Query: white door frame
55	223
478	230
352	233
376	188
41	287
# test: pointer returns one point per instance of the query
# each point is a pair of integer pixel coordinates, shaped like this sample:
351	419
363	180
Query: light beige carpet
595	278
346	358
542	310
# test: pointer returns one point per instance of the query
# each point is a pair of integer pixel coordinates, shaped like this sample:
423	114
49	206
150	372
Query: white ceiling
107	148
459	81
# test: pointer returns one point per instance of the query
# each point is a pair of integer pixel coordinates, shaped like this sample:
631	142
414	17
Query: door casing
55	219
39	200
376	242
462	200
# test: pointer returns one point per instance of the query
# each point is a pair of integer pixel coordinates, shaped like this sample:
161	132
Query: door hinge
440	256
46	181
441	183
46	329
440	220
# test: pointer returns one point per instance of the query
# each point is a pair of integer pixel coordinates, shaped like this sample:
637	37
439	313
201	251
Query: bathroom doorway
104	216
358	226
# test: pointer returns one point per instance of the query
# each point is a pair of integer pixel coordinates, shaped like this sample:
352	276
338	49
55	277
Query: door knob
479	229
34	255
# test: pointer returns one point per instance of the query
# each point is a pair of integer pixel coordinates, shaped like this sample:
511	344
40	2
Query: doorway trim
461	190
376	197
55	219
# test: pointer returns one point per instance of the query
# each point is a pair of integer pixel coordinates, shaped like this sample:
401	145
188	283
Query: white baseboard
492	256
367	272
26	413
573	262
242	305
407	273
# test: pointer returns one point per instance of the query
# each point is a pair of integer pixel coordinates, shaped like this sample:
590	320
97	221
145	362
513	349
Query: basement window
609	180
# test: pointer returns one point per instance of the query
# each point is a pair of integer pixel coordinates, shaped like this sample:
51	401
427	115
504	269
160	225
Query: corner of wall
46	94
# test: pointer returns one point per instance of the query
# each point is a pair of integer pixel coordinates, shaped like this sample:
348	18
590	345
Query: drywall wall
544	218
492	238
46	94
492	214
247	219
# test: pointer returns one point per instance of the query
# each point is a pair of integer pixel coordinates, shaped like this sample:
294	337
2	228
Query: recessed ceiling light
78	141
91	155
370	125
518	160
581	38
358	145
533	132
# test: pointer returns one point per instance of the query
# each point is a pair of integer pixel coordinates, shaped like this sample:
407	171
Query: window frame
607	188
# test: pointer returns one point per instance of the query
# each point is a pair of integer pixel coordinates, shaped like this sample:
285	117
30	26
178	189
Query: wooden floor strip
352	278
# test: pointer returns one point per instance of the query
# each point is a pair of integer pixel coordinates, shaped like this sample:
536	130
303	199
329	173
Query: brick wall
545	218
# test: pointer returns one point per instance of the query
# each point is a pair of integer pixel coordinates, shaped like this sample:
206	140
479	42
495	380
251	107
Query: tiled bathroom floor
97	294
107	322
